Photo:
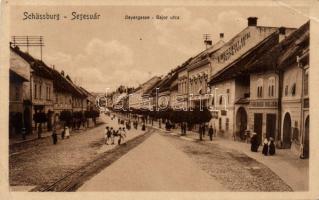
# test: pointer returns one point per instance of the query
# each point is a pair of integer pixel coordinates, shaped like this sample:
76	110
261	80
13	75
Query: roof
207	52
41	69
37	66
242	64
284	53
293	45
144	85
15	77
165	83
150	88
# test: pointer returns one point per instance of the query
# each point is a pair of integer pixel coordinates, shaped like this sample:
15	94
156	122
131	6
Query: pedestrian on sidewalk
211	132
254	142
204	130
63	134
106	135
114	134
67	132
123	132
54	136
120	135
143	127
272	147
265	147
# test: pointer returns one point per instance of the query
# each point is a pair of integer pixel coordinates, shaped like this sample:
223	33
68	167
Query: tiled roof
37	66
14	76
41	69
284	53
243	64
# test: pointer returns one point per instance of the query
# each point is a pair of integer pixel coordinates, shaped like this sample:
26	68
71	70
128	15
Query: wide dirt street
167	163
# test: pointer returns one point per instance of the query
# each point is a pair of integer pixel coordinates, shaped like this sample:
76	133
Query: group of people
269	147
65	134
211	131
111	134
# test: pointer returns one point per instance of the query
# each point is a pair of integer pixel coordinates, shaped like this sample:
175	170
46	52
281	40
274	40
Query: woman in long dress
272	148
254	143
265	147
67	132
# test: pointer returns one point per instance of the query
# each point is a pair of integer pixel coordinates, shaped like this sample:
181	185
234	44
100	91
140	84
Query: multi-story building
293	63
182	99
161	92
17	118
141	98
233	90
199	70
48	91
38	92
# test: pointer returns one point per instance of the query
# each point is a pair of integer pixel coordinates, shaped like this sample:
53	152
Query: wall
218	91
292	103
239	45
265	104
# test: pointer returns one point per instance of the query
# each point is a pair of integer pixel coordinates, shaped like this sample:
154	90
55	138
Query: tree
66	117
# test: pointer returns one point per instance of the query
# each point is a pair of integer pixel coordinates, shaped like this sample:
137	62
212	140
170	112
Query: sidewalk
17	139
40	165
289	167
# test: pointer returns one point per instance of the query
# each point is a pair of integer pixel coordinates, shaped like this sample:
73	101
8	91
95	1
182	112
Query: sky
112	51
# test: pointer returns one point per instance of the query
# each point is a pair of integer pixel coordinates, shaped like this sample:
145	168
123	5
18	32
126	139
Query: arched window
271	87
293	89
213	101
260	88
220	100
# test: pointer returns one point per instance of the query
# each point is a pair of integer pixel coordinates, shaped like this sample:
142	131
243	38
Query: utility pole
28	41
207	40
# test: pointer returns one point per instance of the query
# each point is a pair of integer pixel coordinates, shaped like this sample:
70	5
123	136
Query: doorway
258	124
270	125
287	131
241	123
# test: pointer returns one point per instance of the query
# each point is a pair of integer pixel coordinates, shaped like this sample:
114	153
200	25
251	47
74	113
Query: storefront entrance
271	125
287	132
258	124
241	123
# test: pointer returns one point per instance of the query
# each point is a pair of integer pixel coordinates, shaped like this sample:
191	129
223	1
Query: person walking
272	147
211	132
204	130
120	135
254	142
265	147
106	135
124	132
67	132
63	134
112	131
54	136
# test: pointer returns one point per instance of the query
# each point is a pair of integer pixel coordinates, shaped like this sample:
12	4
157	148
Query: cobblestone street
44	163
233	169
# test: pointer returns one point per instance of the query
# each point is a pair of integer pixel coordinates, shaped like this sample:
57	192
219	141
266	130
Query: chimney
282	33
252	21
221	36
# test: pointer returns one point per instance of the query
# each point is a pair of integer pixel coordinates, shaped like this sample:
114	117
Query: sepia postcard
159	99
